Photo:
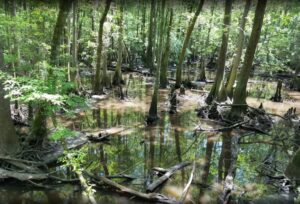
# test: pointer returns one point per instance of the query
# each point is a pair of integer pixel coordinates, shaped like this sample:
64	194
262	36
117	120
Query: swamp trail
132	150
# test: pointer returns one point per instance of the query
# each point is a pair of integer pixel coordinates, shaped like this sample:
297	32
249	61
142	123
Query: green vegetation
104	91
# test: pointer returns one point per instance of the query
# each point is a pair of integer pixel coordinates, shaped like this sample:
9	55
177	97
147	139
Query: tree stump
182	90
277	97
173	101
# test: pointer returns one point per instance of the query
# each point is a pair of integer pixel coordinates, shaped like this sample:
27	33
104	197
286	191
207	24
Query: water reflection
137	149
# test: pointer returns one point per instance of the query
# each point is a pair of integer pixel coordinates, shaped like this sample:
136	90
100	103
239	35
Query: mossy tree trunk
227	90
39	127
186	43
64	9
9	143
222	54
166	53
98	88
117	78
240	94
153	116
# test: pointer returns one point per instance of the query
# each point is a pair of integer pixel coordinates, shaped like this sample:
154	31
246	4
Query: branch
187	187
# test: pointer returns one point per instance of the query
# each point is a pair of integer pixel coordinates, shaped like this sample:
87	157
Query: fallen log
4	174
161	180
102	138
159	171
87	190
121	176
152	197
5	158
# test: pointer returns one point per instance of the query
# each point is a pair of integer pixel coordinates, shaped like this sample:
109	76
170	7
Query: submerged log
152	197
161	180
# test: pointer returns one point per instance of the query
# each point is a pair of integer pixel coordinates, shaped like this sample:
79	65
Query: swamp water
134	149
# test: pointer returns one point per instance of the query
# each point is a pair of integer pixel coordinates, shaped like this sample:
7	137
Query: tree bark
165	57
98	88
228	89
76	45
240	94
9	143
153	107
186	43
151	37
64	8
222	54
117	79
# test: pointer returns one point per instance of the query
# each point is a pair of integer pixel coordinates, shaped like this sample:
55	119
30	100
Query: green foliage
61	133
36	91
75	159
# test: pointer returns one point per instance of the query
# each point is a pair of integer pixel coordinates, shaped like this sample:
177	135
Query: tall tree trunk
39	130
64	9
186	43
153	107
222	55
117	79
239	96
151	37
228	89
166	54
98	88
212	12
9	143
143	29
76	45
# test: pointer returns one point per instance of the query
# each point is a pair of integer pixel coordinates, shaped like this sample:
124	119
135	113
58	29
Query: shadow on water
135	149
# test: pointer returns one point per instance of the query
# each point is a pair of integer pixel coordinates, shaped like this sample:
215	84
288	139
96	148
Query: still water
134	149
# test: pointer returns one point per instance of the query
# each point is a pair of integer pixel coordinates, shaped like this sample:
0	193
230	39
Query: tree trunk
228	89
9	143
39	129
277	97
212	12
98	88
151	37
76	45
153	107
64	8
222	54
117	79
186	43
165	57
239	97
143	30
